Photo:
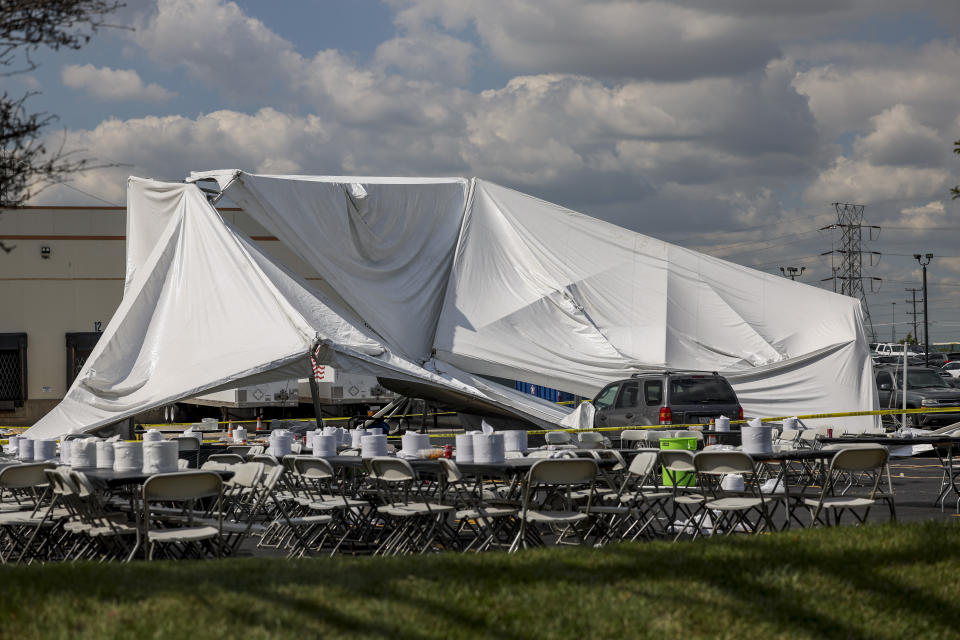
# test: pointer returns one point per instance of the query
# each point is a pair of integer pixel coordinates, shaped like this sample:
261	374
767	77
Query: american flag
319	370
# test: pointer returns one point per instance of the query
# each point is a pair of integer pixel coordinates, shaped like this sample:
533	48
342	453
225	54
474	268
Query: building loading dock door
13	370
79	347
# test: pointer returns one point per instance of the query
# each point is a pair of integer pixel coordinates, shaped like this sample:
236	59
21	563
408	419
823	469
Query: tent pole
315	396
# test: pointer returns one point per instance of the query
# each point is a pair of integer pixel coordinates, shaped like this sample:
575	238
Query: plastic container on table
685	478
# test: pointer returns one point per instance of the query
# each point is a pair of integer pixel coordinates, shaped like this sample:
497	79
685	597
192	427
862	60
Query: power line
763	240
752	227
67	184
920	230
771	245
910	255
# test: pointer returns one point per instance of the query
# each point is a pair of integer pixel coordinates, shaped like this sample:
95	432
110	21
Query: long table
106	479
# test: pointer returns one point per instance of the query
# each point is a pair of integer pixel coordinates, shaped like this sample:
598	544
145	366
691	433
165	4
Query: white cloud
899	161
428	55
853	180
219	45
932	214
105	83
862	80
169	147
898	139
677	135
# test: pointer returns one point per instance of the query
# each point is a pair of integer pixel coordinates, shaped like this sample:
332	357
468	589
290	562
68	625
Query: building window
13	370
79	347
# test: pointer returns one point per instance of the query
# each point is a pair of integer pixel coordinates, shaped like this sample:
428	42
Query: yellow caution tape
809	416
337	419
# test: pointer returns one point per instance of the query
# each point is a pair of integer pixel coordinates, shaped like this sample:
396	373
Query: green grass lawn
892	581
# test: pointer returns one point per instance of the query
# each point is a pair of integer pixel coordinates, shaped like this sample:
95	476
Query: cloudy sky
728	126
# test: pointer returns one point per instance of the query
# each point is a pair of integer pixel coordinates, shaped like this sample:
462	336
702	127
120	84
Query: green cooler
684	479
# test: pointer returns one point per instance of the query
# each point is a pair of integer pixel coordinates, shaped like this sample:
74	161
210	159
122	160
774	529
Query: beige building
59	286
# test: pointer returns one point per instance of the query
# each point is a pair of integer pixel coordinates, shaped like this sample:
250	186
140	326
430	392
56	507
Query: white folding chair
872	460
487	525
180	536
731	509
557	437
417	523
632	438
553	480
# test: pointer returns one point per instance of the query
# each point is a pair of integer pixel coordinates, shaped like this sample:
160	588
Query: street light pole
792	272
893	325
926	323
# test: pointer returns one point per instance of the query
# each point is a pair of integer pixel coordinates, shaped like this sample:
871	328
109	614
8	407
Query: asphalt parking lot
916	483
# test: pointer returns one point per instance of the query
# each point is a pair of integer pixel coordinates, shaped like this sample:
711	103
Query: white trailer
338	388
285	393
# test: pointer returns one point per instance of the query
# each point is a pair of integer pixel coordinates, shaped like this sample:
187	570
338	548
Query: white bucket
757	440
355	437
83	453
515	440
44	450
105	455
325	445
160	456
373	446
25	449
464	448
488	448
127	456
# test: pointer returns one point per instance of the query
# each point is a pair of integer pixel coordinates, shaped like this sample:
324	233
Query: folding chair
632	438
551	481
639	502
188	448
266	459
872	460
731	509
418	525
181	536
27	484
228	458
679	472
558	437
788	437
590	440
324	494
108	528
487	525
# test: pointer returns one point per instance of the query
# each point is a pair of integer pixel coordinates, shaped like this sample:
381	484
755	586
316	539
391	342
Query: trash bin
687	478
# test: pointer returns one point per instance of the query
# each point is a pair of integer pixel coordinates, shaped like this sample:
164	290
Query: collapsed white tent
436	282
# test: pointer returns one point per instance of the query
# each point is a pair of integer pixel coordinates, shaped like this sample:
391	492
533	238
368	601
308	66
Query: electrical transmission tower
850	270
913	301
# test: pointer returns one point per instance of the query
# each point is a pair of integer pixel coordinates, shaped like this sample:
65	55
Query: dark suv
666	397
925	388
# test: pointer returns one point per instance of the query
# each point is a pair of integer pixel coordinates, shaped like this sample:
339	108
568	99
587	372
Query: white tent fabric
205	308
438	282
547	295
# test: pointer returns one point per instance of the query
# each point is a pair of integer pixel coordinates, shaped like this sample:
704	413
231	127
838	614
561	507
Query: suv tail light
739	412
666	416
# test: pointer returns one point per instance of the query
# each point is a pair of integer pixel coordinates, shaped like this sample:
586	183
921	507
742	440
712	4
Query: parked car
912	361
666	397
951	369
953	356
925	388
893	348
935	359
